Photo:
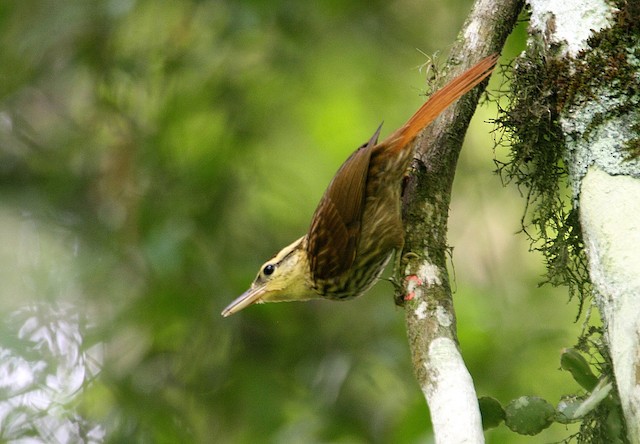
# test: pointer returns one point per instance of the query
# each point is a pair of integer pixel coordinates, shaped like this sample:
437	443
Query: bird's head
284	277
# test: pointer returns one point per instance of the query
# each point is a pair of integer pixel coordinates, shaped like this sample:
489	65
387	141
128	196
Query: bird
357	225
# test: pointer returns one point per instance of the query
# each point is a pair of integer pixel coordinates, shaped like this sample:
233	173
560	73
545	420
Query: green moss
531	128
542	87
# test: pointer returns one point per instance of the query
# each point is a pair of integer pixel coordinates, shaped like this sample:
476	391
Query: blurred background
154	154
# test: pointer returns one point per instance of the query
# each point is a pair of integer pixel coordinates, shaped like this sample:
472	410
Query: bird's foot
412	282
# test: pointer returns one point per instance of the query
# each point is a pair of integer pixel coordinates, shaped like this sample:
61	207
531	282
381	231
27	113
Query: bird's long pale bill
251	296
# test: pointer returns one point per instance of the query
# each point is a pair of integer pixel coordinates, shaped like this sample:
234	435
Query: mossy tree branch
430	317
573	123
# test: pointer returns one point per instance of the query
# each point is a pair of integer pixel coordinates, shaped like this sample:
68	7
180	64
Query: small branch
430	317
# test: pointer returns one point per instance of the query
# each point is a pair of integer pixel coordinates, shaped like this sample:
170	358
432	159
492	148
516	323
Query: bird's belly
358	281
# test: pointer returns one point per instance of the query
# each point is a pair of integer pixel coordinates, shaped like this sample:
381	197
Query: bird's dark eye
269	269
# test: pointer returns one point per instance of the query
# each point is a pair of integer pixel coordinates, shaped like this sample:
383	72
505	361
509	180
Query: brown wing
335	226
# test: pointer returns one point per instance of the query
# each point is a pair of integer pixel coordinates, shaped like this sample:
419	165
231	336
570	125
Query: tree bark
609	210
431	324
595	45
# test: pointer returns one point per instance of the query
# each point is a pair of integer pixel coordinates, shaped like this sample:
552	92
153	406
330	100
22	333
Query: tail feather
439	101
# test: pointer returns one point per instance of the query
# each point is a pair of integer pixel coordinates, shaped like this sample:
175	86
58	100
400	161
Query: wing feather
335	227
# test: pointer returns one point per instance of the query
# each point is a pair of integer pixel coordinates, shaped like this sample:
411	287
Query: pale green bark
599	121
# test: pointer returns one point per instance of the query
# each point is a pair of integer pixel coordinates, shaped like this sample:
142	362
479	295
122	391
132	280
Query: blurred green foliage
154	154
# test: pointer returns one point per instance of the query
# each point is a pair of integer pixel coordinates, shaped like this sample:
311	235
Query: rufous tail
439	101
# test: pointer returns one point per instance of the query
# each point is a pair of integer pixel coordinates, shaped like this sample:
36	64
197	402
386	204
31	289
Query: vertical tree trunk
590	49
